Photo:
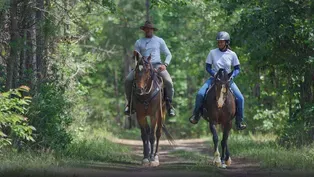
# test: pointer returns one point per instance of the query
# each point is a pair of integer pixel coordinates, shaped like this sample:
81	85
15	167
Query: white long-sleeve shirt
153	46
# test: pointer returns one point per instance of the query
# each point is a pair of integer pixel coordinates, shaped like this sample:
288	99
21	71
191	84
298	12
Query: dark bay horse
220	108
148	100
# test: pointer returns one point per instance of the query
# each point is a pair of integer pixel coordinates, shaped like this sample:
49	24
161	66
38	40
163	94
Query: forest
63	64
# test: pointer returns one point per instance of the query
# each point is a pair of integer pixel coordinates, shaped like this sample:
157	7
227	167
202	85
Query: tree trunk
39	38
290	94
306	89
33	35
4	41
46	44
190	92
14	39
127	68
116	90
147	10
23	58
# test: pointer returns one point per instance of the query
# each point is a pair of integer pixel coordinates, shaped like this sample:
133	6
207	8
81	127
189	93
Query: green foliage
4	4
14	126
168	3
48	113
273	40
299	130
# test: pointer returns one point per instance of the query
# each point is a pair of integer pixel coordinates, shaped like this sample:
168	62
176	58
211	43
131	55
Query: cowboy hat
148	24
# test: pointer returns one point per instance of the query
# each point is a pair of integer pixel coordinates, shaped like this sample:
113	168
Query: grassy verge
270	155
20	161
265	150
133	134
88	147
94	146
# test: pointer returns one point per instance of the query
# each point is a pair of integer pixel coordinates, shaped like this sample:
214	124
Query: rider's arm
209	61
236	65
209	69
236	71
164	49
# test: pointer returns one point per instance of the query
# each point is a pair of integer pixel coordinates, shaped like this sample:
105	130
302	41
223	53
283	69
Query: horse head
143	73
222	85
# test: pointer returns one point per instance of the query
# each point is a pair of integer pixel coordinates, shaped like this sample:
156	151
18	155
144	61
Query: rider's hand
162	68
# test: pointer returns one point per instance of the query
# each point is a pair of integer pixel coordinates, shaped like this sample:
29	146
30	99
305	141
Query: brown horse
220	108
148	100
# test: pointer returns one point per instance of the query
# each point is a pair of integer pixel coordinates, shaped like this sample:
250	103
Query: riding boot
197	109
239	124
170	109
195	118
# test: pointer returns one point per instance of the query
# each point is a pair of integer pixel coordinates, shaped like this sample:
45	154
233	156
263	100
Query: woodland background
63	64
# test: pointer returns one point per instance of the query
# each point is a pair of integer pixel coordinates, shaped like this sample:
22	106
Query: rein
147	101
152	74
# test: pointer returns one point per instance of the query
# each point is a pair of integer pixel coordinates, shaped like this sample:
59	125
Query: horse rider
221	57
152	45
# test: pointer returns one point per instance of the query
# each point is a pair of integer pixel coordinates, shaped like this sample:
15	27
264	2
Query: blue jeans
239	98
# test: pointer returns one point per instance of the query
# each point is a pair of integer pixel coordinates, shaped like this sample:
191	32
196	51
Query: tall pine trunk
33	36
13	44
39	38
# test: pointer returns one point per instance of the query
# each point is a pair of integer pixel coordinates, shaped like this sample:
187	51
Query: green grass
265	150
94	146
13	160
133	134
88	147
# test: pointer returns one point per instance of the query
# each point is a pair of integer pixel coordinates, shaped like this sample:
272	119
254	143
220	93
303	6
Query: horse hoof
223	166
217	163
228	162
145	162
154	163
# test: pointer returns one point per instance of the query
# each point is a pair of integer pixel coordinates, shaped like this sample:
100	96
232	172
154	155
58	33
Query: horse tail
168	135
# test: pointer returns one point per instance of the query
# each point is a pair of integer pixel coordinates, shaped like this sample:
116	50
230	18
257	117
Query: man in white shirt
152	45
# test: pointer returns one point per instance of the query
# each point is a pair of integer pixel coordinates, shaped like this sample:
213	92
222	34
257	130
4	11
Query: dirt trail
171	165
240	167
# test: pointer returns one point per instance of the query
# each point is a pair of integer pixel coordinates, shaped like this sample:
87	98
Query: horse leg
216	160
158	135
227	159
145	138
154	161
226	130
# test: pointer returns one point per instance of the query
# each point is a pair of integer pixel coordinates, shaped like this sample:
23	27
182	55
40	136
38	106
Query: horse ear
149	58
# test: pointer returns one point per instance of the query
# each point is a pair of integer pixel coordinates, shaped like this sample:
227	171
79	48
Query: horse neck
151	82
